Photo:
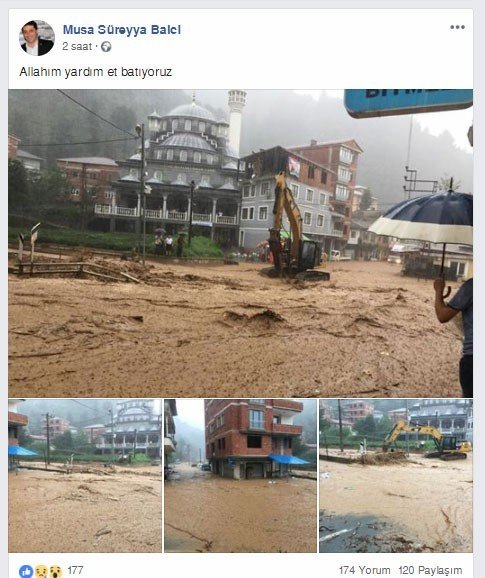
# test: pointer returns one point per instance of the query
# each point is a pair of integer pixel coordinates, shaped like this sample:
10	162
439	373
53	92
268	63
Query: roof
187	140
26	155
349	143
290	460
90	161
193	110
19	451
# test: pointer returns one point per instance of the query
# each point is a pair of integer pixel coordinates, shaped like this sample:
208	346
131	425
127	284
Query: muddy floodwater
206	513
85	512
225	331
422	505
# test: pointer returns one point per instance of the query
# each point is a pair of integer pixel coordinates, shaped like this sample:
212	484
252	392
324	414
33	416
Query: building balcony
168	445
294	430
288	404
160	215
17	418
140	445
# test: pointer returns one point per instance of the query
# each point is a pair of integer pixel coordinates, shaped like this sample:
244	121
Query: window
223	443
319	220
197	157
210	159
353	234
265	190
183	155
158	175
288	443
164	125
277	419
311	172
309	195
188	124
341	193
170	155
220	420
307	219
323	177
205	181
213	448
134	172
263	214
75	192
246	191
247	214
344	174
323	199
256	419
346	155
258	400
254	442
175	124
212	426
201	126
158	154
109	194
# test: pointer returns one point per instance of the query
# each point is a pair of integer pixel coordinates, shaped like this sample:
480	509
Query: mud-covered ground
418	505
226	330
101	511
207	513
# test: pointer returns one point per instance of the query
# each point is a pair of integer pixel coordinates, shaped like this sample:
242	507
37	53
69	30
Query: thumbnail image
396	475
85	475
240	475
196	245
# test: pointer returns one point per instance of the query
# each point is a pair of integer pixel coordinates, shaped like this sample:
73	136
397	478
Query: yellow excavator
447	447
293	255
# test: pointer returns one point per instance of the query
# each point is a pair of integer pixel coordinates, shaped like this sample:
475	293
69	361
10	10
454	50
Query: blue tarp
290	460
18	451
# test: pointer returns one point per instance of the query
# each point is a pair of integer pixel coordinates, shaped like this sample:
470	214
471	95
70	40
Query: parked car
205	467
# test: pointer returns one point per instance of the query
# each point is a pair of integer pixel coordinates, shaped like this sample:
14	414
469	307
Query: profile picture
36	37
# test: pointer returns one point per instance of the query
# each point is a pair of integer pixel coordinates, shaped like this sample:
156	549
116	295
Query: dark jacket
44	46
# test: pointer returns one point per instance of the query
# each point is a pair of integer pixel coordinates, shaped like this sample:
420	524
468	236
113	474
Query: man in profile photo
33	44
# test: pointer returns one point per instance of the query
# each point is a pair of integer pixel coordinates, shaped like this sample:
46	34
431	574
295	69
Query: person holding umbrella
462	302
443	218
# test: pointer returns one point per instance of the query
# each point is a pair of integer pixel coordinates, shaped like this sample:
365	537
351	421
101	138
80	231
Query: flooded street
221	331
107	511
207	513
418	505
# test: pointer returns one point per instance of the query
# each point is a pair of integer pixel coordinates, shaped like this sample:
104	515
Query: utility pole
48	438
340	426
200	455
112	436
191	209
134	446
140	129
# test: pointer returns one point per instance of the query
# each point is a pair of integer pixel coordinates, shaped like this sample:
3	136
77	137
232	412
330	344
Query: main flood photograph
214	243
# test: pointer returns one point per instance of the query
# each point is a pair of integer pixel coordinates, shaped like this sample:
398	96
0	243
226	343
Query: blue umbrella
19	451
444	217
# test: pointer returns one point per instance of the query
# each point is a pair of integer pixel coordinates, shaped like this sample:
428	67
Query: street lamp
140	131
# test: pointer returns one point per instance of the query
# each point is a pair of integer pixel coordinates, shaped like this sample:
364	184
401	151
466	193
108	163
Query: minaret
237	101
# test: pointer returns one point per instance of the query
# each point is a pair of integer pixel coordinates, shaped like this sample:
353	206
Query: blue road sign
391	101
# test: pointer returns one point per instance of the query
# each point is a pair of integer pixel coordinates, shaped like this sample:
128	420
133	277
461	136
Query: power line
56	144
95	113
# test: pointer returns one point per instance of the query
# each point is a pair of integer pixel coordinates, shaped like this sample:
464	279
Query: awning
18	451
290	460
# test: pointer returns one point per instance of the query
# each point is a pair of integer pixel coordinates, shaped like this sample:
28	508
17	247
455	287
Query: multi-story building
31	162
399	414
340	157
16	421
250	438
57	426
13	145
90	178
135	427
191	172
354	410
310	184
169	443
450	416
94	433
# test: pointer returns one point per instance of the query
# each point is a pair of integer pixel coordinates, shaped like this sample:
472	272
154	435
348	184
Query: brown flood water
428	500
225	331
206	513
53	512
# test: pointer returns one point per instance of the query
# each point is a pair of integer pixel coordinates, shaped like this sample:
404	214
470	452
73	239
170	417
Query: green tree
65	441
24	438
366	425
49	187
18	186
366	200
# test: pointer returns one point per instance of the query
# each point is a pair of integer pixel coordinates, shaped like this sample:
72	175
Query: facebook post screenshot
206	202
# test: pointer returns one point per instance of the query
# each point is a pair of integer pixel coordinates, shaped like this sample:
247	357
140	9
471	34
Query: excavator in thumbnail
293	255
446	446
